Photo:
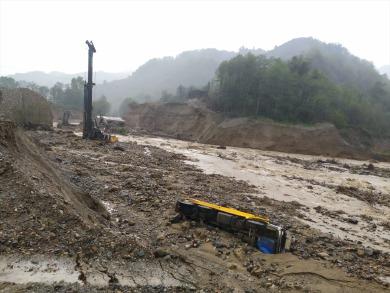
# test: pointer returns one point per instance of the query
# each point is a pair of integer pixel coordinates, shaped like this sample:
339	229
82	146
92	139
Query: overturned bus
257	230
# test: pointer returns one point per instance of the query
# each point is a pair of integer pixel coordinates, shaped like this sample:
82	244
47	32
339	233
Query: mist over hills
333	60
191	68
196	68
385	70
50	78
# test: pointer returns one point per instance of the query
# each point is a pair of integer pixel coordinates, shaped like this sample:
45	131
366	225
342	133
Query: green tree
8	82
57	94
69	96
101	106
293	92
124	107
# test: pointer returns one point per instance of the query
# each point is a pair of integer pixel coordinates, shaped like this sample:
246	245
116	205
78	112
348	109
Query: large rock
25	108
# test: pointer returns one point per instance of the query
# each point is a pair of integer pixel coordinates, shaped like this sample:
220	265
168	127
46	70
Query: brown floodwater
278	177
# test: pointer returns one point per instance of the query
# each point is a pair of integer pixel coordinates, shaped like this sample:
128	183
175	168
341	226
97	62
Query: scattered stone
118	148
141	253
368	251
232	266
323	255
160	252
352	220
360	252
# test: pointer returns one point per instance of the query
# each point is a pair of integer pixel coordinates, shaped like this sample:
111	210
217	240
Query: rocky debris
140	191
370	196
335	165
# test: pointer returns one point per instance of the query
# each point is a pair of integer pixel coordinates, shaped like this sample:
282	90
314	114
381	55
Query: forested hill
192	68
196	68
333	60
293	91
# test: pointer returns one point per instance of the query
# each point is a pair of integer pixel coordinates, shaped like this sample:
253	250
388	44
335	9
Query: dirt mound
194	123
317	140
39	207
175	119
26	108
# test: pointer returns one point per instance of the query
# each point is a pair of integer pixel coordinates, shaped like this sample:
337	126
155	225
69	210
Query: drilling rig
90	128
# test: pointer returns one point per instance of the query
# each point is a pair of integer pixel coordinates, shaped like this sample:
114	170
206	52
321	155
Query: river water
277	176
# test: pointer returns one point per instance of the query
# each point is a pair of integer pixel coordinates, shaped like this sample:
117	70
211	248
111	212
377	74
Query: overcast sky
50	35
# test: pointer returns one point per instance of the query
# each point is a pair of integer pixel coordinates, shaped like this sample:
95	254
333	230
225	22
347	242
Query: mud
52	240
195	122
351	195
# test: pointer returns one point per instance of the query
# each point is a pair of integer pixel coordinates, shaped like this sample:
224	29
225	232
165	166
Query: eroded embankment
194	123
40	210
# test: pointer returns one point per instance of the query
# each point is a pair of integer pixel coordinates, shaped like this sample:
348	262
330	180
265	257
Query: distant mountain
333	60
254	51
385	70
295	47
198	67
49	79
191	68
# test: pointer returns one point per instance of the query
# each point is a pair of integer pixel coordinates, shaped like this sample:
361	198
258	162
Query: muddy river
283	177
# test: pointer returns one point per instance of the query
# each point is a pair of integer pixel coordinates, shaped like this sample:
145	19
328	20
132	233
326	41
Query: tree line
66	96
292	92
9	82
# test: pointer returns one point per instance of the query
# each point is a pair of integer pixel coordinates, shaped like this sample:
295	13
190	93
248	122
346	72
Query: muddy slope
25	107
190	122
35	196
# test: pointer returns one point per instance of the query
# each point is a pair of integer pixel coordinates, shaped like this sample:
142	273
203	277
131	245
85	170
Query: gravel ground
107	209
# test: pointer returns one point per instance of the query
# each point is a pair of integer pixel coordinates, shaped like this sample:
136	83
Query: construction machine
91	129
65	118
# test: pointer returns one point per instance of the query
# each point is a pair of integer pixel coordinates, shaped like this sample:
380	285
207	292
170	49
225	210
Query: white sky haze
50	35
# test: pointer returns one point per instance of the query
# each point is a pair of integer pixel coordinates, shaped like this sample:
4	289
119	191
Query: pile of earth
190	121
41	211
26	108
